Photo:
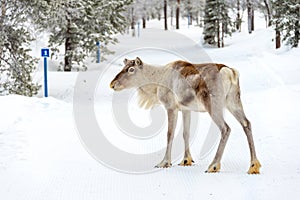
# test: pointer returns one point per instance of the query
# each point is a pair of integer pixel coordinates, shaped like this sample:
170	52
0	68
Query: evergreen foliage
216	22
78	25
16	64
286	20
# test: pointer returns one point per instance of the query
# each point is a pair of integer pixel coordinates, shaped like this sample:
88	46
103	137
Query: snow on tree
216	22
78	25
16	64
286	19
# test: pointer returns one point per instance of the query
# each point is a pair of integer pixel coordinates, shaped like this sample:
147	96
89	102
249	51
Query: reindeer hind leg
215	109
234	105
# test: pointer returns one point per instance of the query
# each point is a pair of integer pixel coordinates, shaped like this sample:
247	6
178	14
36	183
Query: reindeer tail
230	74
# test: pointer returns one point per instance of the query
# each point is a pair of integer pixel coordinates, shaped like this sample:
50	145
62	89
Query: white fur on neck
148	91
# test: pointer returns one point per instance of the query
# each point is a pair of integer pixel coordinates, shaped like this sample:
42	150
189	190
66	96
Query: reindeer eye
131	70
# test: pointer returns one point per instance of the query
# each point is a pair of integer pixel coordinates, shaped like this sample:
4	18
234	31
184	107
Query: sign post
98	52
45	53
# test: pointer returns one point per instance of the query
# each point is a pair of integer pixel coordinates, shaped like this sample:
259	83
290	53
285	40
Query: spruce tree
78	25
286	20
16	64
216	22
210	22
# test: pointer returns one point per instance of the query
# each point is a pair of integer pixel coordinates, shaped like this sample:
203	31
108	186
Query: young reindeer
182	86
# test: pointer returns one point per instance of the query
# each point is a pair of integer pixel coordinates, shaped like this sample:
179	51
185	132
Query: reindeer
182	86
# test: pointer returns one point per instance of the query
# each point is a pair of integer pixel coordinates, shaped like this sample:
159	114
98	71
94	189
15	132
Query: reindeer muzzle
115	85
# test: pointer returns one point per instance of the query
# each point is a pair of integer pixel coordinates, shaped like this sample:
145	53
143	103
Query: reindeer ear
139	62
125	61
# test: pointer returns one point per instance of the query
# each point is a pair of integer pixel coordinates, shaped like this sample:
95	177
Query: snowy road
41	156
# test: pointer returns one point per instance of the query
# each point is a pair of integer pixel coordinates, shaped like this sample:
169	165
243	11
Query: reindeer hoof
213	168
254	168
164	164
188	161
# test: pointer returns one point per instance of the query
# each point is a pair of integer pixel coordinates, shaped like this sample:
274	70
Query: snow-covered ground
43	154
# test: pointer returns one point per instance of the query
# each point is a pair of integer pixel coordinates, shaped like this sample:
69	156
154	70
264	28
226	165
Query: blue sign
45	52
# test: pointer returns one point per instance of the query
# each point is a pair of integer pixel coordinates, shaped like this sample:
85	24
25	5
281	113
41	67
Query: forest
74	27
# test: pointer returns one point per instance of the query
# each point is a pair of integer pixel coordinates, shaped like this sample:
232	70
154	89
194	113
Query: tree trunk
218	34
268	12
297	34
190	16
224	30
277	37
252	18
190	19
172	15
165	15
197	18
177	14
132	18
68	48
249	10
144	22
238	16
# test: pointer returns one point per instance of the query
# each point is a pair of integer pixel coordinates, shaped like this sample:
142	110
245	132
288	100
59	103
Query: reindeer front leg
187	160
172	120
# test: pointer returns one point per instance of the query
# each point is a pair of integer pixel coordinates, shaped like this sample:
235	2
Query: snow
43	154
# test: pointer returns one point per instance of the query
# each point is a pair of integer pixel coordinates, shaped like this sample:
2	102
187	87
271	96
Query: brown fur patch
188	70
203	93
179	64
185	68
202	88
219	66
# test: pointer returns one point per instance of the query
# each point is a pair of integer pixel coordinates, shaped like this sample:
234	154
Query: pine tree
78	25
216	22
287	20
210	20
16	65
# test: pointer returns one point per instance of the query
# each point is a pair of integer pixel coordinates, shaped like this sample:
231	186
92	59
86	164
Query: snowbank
41	155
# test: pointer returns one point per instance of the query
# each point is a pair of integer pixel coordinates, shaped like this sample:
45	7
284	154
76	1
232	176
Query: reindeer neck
153	74
148	91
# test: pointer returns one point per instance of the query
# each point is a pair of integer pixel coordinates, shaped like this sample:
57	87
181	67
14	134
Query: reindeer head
130	76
